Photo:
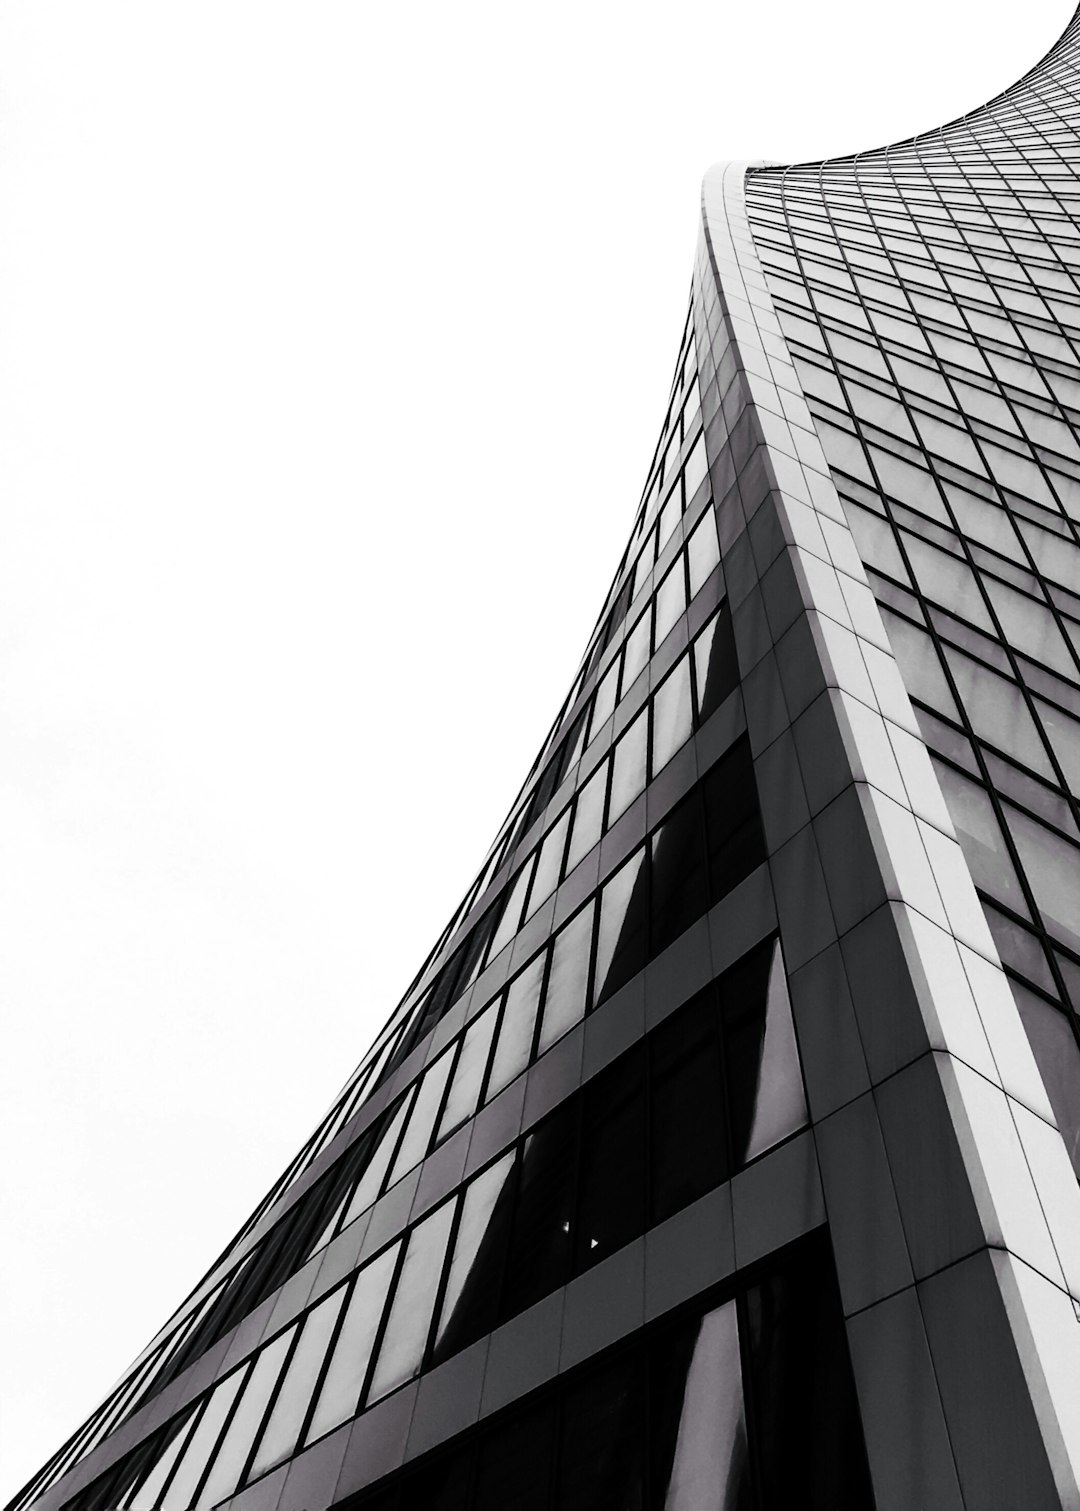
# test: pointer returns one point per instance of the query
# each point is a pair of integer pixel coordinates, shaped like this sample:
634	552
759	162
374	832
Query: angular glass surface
469	1071
703	552
673	715
421	1124
779	1099
549	865
680	890
370	1183
339	1394
513	1047
148	1494
628	767
622	941
282	1431
402	1347
237	1443
707	1467
472	1287
588	816
189	1471
568	979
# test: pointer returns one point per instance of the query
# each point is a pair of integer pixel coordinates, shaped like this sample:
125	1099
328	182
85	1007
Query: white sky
334	338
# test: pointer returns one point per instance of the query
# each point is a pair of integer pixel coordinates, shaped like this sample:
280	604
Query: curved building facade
722	1155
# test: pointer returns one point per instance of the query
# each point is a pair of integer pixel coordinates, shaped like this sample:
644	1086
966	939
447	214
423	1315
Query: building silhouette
721	1154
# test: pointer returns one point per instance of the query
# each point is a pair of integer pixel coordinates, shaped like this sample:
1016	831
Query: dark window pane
679	885
732	820
611	1194
440	1486
540	1237
715	664
600	1444
805	1417
514	1468
687	1134
743	997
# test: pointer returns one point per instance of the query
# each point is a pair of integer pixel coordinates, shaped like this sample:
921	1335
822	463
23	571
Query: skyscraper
722	1153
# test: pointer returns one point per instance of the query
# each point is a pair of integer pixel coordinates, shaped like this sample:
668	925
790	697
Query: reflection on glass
232	1455
514	1044
283	1428
588	816
550	863
568	980
180	1493
779	1101
709	1471
470	1280
469	1073
422	1118
372	1178
628	767
340	1393
149	1492
615	906
406	1333
672	717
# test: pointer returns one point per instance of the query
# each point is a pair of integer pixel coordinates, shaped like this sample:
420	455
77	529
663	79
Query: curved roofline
1071	27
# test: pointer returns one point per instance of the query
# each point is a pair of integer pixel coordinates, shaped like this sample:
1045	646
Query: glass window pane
1052	867
672	715
628	768
539	1255
637	651
680	893
612	1179
549	866
588	816
732	820
514	1044
703	551
149	1492
605	699
743	997
700	1460
602	1439
282	1430
716	668
670	601
340	1393
371	1181
234	1450
623	938
779	1100
803	1393
696	468
688	1153
980	837
470	1304
515	902
568	979
181	1492
515	1463
425	1110
402	1347
469	1071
